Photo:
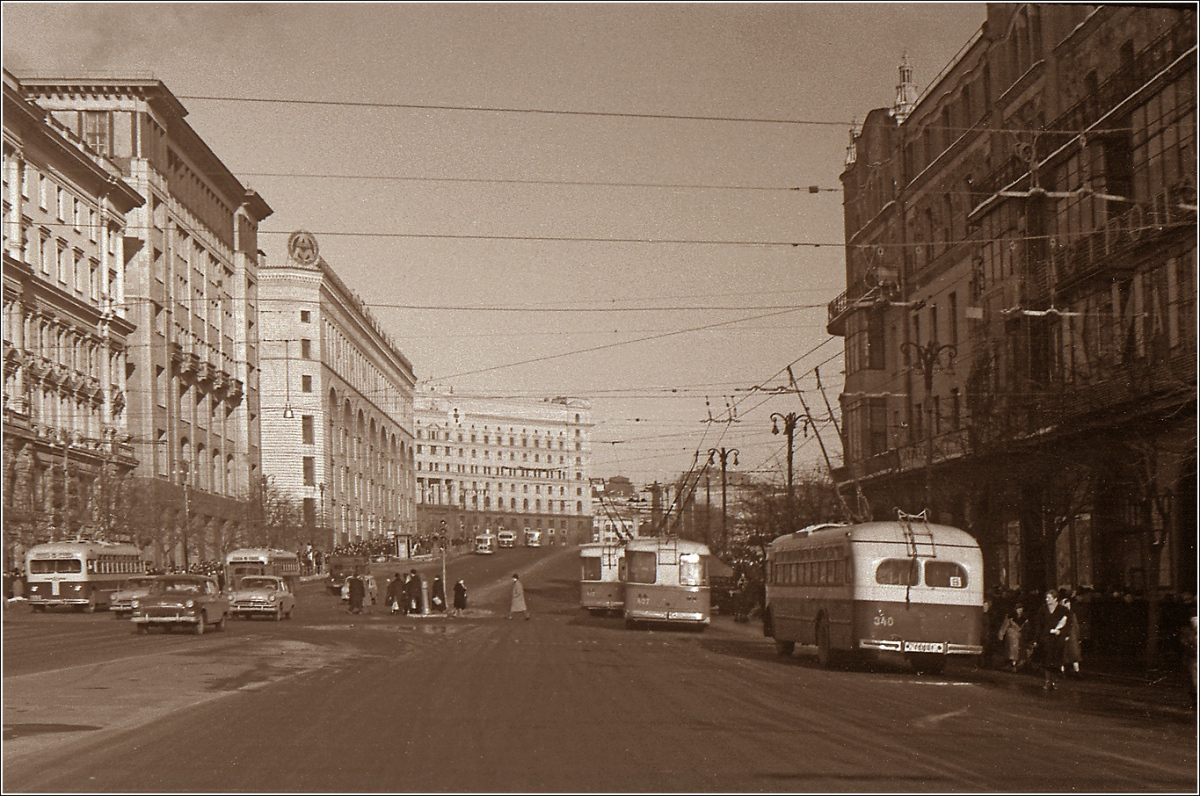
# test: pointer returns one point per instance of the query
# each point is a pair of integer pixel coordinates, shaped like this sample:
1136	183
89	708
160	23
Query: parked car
193	601
372	591
121	601
262	595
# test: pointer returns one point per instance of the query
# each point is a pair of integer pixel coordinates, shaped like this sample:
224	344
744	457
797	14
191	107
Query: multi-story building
1020	313
490	463
190	291
66	329
337	403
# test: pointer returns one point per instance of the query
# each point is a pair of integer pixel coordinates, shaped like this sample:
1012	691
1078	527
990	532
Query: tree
273	517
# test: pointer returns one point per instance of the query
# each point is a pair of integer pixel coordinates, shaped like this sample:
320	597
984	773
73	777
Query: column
16	170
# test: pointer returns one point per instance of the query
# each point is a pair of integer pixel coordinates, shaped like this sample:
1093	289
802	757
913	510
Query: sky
607	201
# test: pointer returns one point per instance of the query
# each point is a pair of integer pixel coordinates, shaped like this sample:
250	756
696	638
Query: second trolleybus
906	586
262	561
666	581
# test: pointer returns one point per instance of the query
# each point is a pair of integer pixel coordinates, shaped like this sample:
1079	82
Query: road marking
931	721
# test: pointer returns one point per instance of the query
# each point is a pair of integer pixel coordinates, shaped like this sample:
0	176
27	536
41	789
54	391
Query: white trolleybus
666	581
602	578
80	574
485	544
262	561
906	586
533	537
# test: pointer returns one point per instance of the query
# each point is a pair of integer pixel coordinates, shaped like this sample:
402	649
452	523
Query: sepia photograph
614	397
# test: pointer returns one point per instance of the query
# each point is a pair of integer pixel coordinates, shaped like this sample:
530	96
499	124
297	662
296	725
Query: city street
330	702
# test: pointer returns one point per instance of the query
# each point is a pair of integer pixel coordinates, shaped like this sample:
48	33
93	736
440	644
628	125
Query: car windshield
259	583
139	583
179	587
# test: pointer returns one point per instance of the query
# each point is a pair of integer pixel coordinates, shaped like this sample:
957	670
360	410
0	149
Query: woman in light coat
518	598
1012	631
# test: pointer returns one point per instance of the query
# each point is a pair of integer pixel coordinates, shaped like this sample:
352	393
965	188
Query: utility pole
928	358
723	454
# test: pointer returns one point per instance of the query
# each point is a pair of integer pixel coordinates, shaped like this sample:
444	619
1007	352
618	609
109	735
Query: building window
95	130
306	349
305	316
306	384
306	429
310	471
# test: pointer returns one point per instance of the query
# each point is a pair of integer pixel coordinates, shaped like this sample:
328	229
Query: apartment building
1019	319
491	463
67	330
337	403
190	294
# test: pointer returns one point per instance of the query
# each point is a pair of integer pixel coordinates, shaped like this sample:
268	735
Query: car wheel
90	608
220	625
143	629
198	628
288	615
278	614
784	648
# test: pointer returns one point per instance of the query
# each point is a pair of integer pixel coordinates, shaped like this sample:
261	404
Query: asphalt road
565	702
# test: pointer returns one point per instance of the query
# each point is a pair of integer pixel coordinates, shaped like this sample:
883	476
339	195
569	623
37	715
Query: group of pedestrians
406	595
1052	638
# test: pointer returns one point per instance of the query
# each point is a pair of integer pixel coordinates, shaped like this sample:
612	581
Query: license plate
924	646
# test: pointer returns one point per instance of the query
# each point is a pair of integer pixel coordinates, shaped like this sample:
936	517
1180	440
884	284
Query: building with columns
488	463
67	330
190	295
337	404
1020	312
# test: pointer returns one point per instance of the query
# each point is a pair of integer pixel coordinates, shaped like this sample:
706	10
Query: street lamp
927	359
288	414
789	428
187	510
65	511
723	454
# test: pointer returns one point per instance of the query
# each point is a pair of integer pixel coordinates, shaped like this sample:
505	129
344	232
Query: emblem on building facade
302	247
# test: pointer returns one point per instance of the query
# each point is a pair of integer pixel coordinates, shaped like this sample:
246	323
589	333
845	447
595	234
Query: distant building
1020	312
337	403
67	329
191	281
491	463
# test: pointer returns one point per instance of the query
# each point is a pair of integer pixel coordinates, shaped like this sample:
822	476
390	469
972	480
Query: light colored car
372	590
262	595
121	601
193	601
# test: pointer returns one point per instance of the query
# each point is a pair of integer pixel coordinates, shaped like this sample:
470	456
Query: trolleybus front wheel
784	648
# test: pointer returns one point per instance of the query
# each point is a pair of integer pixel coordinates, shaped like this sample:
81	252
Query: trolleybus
906	586
79	574
262	561
666	581
533	537
485	544
602	575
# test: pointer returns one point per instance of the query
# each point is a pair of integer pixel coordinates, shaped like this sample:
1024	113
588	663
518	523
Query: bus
507	538
485	544
342	566
79	574
905	586
602	576
262	561
666	581
533	537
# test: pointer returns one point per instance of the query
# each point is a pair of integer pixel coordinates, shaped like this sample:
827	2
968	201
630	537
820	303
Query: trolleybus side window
898	572
945	574
591	569
691	570
641	566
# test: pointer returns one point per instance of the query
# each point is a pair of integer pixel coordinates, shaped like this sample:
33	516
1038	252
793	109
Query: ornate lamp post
723	454
927	359
789	428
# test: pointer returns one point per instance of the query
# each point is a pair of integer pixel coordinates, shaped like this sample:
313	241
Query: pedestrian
1012	633
460	598
518	598
1072	649
437	596
1051	629
357	591
395	592
413	592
